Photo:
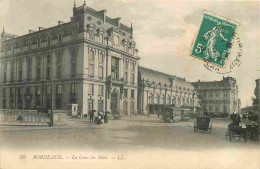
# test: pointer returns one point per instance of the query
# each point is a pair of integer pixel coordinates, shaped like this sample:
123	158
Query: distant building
156	88
92	60
219	96
256	100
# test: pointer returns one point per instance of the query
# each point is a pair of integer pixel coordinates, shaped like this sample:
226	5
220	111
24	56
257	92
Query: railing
23	117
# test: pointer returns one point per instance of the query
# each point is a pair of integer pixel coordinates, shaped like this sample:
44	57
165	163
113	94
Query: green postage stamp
214	39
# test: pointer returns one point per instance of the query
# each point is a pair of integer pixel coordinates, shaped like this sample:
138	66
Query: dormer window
59	38
49	40
39	43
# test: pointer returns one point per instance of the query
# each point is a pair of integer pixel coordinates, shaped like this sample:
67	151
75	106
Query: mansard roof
163	78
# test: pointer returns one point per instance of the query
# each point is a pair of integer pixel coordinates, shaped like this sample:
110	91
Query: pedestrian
106	117
95	116
91	115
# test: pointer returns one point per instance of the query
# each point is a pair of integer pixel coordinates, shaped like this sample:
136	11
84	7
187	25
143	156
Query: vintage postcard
143	84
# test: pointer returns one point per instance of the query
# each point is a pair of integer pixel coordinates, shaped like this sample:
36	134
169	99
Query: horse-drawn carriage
170	114
202	123
235	130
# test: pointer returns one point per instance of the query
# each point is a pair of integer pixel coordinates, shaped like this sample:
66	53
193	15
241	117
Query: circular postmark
234	59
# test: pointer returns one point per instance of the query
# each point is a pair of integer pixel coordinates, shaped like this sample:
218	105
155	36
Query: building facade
156	88
91	61
218	96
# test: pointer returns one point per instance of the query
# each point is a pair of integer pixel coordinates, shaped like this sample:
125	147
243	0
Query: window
5	71
211	94
20	67
4	94
91	64
205	94
225	108
126	77
92	55
91	89
163	99
91	70
132	93
49	40
125	71
217	108
59	64
217	94
225	95
73	88
48	89
39	43
91	35
29	45
4	104
169	100
48	67
73	62
90	105
125	93
28	91
115	68
101	90
12	70
38	68
100	106
132	67
133	73
12	92
74	35
100	72
101	59
173	100
38	90
210	107
158	99
59	89
132	78
125	65
179	100
60	38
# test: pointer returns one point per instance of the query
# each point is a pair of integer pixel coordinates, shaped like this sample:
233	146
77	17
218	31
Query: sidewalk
78	123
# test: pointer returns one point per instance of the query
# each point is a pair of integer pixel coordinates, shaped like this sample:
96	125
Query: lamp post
51	115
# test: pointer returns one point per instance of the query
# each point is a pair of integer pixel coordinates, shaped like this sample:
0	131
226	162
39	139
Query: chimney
41	28
60	23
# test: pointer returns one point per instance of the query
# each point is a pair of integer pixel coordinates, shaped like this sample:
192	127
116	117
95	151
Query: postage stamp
214	39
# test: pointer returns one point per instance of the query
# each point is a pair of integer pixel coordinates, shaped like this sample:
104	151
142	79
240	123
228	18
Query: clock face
116	40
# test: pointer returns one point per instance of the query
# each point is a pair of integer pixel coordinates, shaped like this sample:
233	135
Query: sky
163	30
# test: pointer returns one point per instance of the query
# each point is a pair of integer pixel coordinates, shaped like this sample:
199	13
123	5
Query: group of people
98	117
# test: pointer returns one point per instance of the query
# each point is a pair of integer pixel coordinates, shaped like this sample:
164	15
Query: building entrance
114	100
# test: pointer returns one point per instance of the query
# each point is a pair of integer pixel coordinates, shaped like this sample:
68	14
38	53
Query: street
129	133
132	142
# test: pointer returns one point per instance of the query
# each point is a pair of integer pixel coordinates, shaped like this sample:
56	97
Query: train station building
156	89
91	61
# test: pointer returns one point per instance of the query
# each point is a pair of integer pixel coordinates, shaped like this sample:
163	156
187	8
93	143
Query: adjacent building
91	61
157	88
218	96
